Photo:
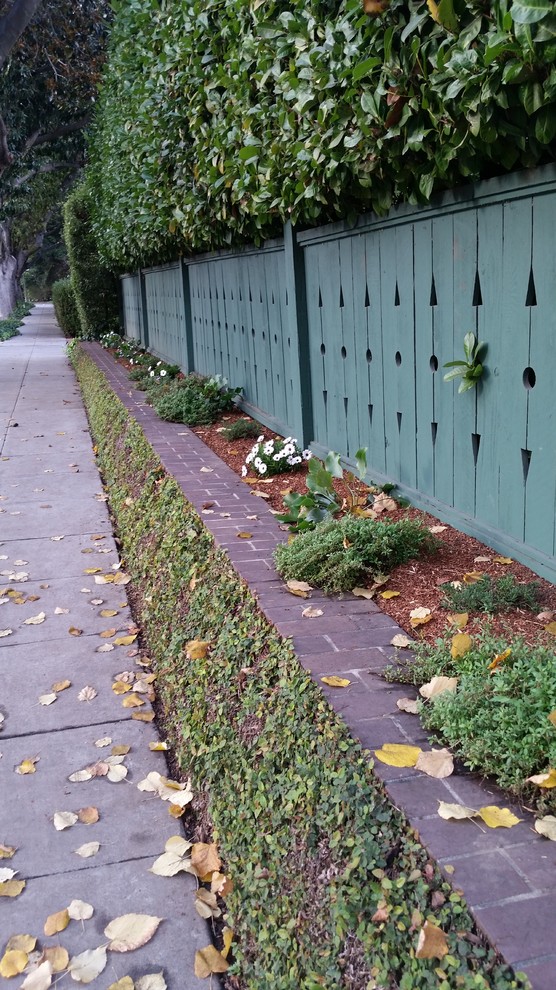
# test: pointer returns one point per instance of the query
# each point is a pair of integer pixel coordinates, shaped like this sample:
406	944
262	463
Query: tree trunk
9	289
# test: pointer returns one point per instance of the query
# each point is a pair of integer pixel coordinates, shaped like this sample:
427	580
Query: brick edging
506	875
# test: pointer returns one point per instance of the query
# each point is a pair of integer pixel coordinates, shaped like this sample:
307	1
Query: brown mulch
418	581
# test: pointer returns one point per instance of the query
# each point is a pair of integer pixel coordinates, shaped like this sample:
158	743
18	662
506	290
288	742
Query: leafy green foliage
242	429
321	501
10	326
470	368
492	595
341	554
496	720
217	122
308	837
65	307
95	287
193	400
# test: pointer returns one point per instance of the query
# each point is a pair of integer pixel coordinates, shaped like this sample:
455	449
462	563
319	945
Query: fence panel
166	313
131	298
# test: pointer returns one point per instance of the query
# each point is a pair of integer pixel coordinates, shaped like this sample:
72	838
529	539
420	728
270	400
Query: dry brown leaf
107	633
546	826
73	631
398	755
197	649
92	570
108	613
410	705
502	560
209	960
311	613
299	588
336	682
87	693
39	978
431	943
85	967
206	905
221	884
132	701
437	763
121	578
143	716
402	642
105	741
438	685
204	858
131	931
472	577
419	616
89	815
11	888
56	922
35	620
383	503
87	850
60	686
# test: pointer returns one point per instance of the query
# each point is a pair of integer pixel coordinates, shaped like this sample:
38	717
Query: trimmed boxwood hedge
313	846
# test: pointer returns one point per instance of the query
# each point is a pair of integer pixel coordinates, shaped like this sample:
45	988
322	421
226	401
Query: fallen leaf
56	539
389	594
197	649
151	981
502	560
495	817
551	628
88	815
206	905
208	961
105	741
121	578
455	811
175	810
420	616
80	775
431	943
35	620
244	536
221	884
336	682
143	716
169	864
104	579
6	852
5	632
117	774
80	910
24	943
120	687
398	755
472	577
107	633
458	619
27	766
58	958
362	592
547	779
299	588
85	967
126	983
437	529
64	819
546	826
205	858
125	640
552	718
383	503
401	641
108	613
132	701
40	978
158	747
437	763
92	570
206	470
120	750
13	962
61	686
105	648
87	850
545	616
227	937
131	931
11	888
47	699
311	613
75	632
500	658
438	685
87	693
6	874
56	922
410	705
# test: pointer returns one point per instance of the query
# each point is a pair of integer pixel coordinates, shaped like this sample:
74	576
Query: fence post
189	342
299	334
144	315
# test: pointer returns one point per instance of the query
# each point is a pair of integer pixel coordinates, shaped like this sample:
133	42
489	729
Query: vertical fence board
465	320
374	357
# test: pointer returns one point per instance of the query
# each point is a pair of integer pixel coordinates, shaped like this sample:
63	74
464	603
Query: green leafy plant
65	307
340	554
470	368
321	501
193	400
10	326
491	595
242	429
274	456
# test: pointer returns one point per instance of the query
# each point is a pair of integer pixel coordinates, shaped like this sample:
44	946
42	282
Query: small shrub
242	429
274	456
192	400
341	554
10	326
65	307
320	502
492	595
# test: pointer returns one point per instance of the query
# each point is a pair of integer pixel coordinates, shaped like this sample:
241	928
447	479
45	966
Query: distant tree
48	84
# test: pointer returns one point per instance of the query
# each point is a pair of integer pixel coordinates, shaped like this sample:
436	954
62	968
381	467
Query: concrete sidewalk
51	507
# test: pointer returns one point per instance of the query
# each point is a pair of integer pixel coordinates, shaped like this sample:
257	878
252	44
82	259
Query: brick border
508	877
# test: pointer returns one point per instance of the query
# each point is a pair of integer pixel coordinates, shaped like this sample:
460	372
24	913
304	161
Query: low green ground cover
10	326
308	837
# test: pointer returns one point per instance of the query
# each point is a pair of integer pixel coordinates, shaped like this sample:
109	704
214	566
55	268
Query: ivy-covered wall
217	121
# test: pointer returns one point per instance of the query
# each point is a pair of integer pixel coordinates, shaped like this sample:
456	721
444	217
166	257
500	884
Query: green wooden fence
338	335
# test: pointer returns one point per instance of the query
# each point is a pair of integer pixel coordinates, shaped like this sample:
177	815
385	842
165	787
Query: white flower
243	471
151	373
262	468
289	449
277	457
163	373
257	462
306	455
268	447
249	458
296	460
261	438
291	461
158	363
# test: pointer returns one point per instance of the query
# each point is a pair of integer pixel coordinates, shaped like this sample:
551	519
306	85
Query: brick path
508	876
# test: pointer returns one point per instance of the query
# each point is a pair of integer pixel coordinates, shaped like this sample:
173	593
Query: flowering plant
160	372
274	456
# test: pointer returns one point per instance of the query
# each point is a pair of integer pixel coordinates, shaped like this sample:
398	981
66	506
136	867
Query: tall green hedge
65	307
217	121
95	286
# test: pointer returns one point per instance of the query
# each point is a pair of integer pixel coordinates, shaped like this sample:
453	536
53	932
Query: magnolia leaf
457	811
431	943
85	967
27	766
438	685
389	594
311	613
437	763
472	577
398	755
151	981
35	620
64	819
73	631
208	961
362	592
13	962
61	686
40	978
410	705
204	858
336	682
56	922
197	649
495	817
547	779
458	619
299	588
500	658
131	931
87	850
206	905
11	888
80	910
6	852
402	642
546	826
87	693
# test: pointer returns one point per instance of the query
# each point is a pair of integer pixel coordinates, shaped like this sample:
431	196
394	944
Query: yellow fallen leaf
227	937
495	817
56	922
419	616
552	718
143	716
107	633
108	613
500	659
546	826
119	687
13	962
389	594
125	640
502	560
104	579
27	766
551	628
244	536
334	681
23	943
362	592
122	750
75	632
438	685
457	811
438	763
88	815
472	577
458	619
92	570
209	960
197	649
61	686
431	943
398	755
6	852
299	588
175	810
461	644
547	779
158	747
132	701
11	888
126	983
131	931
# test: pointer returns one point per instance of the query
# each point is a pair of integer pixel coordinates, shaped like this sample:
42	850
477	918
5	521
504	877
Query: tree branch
42	170
45	137
6	157
13	24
